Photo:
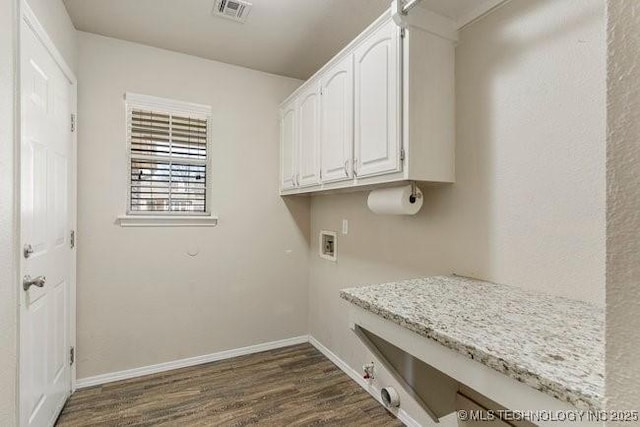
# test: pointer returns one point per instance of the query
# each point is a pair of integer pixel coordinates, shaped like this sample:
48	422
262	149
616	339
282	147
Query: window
169	150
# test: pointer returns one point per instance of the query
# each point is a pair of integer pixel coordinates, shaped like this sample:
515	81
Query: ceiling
287	37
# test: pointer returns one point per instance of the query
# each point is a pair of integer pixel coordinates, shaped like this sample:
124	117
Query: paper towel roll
394	201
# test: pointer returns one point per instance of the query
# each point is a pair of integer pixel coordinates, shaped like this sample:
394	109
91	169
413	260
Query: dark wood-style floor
293	386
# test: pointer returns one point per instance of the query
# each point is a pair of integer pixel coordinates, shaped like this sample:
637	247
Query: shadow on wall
298	207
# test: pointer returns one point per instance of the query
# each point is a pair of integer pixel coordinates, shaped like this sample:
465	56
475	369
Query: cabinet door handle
355	167
346	167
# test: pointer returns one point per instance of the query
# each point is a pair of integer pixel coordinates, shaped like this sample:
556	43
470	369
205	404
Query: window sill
166	221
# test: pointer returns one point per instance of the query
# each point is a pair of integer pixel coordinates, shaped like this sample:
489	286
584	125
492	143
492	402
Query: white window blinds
168	156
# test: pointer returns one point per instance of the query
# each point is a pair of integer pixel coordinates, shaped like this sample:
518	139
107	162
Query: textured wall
141	298
623	205
8	301
528	207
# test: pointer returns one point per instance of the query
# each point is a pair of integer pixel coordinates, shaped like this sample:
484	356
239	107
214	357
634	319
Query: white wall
8	287
141	298
528	207
623	206
56	22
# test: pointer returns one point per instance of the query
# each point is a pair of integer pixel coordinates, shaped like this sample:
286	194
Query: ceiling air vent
237	10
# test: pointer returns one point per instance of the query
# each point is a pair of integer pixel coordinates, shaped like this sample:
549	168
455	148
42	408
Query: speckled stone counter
555	345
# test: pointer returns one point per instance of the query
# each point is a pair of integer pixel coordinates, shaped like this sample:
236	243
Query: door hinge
402	32
73	122
402	154
72	355
72	239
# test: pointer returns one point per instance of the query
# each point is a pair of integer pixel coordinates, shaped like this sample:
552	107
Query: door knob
28	282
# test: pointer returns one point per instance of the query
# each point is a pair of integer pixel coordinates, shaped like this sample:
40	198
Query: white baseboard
191	361
399	413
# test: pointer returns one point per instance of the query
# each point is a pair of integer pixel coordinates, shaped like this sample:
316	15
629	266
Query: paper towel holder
415	194
404	200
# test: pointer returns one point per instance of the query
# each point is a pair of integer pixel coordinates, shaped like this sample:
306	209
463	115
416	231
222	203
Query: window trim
166	221
158	218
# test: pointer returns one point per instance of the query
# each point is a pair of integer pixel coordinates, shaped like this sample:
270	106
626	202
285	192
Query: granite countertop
553	344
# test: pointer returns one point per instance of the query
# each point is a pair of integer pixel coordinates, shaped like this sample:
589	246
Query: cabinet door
309	136
377	103
337	122
288	147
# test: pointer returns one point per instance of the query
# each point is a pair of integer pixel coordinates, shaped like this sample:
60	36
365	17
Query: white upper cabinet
309	136
380	112
377	137
288	143
337	122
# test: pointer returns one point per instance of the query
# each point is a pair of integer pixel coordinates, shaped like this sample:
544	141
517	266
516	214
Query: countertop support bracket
360	333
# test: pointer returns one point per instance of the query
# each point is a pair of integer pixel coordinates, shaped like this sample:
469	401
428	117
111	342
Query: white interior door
377	102
288	147
46	221
337	121
309	134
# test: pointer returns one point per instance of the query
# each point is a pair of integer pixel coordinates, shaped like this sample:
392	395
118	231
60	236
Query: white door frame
27	17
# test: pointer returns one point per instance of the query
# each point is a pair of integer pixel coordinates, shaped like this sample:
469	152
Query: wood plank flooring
293	386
